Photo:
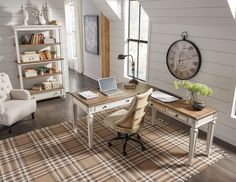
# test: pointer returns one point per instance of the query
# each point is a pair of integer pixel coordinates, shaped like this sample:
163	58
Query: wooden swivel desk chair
127	123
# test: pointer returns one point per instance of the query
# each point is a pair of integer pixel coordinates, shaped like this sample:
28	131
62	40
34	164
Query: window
73	29
137	39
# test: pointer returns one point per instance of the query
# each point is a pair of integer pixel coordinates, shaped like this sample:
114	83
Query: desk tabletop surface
186	109
179	106
102	99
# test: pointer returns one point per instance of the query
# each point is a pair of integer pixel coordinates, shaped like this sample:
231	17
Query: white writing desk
184	113
178	110
102	103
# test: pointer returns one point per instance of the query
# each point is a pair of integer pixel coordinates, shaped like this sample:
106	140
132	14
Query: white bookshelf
54	31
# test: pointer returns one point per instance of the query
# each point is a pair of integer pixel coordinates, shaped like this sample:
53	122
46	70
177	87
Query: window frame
138	41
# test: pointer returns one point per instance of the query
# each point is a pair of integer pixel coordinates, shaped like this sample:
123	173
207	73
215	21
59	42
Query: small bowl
198	105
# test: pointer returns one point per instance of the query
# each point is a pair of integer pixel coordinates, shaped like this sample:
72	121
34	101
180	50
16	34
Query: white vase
47	15
25	15
47	12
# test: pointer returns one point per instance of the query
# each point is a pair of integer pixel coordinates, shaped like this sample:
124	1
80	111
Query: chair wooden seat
127	123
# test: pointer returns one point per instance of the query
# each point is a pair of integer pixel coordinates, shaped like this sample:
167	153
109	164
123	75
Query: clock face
183	59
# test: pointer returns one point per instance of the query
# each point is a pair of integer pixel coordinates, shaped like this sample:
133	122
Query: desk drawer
177	116
110	105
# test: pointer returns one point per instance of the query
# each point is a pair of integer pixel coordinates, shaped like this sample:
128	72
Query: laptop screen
108	83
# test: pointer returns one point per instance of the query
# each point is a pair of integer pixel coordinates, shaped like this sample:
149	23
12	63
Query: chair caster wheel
138	137
109	144
143	148
124	153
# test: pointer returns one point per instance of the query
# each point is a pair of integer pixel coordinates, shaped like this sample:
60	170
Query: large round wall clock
183	58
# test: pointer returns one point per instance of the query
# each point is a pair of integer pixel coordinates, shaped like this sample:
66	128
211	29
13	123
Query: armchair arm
2	108
20	94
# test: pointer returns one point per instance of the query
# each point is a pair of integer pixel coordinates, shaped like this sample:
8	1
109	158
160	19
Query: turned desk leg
192	144
210	135
90	129
74	122
154	115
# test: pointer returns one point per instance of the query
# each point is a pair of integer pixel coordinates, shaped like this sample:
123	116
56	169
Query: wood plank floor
53	111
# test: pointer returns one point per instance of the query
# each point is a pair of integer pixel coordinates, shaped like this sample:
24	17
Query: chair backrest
137	110
5	87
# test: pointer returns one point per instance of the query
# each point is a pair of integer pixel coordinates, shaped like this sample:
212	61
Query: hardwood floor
53	111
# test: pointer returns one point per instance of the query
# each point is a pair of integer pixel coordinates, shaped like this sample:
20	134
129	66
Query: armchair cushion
19	94
16	110
2	108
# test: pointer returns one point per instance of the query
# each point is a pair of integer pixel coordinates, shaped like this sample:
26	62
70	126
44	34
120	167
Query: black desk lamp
122	56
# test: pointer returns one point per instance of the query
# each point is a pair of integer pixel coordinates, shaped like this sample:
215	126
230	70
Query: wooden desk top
186	109
102	99
179	106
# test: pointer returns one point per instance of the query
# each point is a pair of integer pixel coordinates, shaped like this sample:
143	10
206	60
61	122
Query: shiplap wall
10	15
212	28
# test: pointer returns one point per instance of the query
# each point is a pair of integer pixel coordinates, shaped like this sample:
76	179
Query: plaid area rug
56	153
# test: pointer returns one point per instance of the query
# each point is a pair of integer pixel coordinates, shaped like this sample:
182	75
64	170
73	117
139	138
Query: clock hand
185	59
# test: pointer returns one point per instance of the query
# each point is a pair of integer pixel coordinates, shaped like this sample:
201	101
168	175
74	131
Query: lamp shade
121	56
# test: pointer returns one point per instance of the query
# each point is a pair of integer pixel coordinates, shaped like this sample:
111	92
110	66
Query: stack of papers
163	96
88	94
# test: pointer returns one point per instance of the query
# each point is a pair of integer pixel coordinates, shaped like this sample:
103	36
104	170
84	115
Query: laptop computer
108	86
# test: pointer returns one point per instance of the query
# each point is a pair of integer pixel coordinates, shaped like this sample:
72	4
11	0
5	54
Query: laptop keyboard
113	92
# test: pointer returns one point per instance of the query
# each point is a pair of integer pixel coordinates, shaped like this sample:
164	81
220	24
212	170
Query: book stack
88	94
44	55
30	72
37	38
37	87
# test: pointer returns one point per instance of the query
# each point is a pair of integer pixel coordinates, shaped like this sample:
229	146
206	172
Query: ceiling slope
110	8
202	12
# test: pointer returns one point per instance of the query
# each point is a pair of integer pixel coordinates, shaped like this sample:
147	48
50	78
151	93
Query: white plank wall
116	48
212	28
10	15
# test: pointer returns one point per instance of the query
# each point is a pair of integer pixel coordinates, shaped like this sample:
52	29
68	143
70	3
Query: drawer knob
104	107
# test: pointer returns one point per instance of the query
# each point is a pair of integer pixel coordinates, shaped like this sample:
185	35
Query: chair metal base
33	115
126	138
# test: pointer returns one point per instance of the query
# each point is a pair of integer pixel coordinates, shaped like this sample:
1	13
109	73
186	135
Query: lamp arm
131	58
133	65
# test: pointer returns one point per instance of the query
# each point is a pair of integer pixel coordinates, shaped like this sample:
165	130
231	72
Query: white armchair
15	104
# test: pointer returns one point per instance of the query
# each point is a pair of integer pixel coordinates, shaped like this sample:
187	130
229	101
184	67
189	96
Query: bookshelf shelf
52	36
43	91
40	76
40	61
32	45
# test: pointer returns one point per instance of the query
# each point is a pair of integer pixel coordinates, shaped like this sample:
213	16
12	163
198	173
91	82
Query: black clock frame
198	52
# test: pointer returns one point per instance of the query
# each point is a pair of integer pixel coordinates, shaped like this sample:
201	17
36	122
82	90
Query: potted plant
42	69
54	53
195	90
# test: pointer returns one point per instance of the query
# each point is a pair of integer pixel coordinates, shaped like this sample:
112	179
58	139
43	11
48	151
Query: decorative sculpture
25	14
37	14
46	12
